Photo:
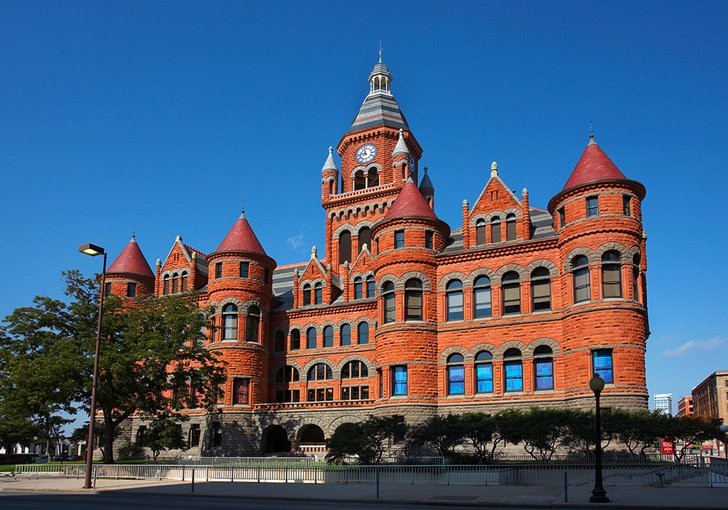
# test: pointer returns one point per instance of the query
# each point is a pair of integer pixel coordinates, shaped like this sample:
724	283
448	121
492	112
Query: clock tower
378	155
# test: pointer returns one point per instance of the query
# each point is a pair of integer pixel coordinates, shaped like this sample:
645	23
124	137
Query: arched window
543	367
484	372
344	247
311	338
454	298
280	343
480	232
370	286
362	333
358	291
318	293
175	283
495	230
165	285
482	300
455	375
328	336
184	281
359	180
582	287
372	178
511	292
510	227
513	370
365	237
389	302
611	275
319	372
540	289
307	294
354	370
230	322
295	340
413	300
251	324
345	335
287	374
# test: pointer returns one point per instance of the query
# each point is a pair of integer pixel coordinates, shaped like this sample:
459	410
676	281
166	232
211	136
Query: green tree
442	433
151	362
483	433
368	440
163	434
638	430
542	431
686	431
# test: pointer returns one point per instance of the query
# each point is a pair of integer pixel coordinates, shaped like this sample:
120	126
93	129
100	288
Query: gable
495	197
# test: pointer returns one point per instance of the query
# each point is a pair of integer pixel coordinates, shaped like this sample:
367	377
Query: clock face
366	153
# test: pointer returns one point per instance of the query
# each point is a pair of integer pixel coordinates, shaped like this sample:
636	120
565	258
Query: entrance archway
276	440
311	434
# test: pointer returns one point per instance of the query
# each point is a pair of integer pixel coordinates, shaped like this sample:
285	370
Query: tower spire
380	51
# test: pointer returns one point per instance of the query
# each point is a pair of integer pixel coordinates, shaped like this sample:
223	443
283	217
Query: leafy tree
685	431
442	433
368	440
542	431
163	434
150	356
481	431
638	430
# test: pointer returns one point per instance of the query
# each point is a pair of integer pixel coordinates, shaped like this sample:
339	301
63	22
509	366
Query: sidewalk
551	497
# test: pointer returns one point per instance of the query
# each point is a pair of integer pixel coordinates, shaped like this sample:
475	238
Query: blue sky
165	118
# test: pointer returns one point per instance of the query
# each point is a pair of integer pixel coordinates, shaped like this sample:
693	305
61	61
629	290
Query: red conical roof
410	203
241	238
131	260
594	165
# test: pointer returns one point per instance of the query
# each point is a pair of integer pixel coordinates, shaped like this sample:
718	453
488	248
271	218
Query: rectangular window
428	239
562	218
592	206
399	380
541	295
514	375
218	270
355	393
389	309
455	306
398	239
107	288
320	394
544	369
482	306
456	380
131	289
216	434
627	205
244	269
602	362
194	436
240	391
611	281
511	298
484	378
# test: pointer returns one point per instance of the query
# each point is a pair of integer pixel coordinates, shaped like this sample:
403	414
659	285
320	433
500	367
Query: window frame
455	374
399	239
454	310
592	206
399	380
484	377
603	364
413	293
511	286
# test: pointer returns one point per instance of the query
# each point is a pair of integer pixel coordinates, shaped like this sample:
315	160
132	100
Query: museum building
515	307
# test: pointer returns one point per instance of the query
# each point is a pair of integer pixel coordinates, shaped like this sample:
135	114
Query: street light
93	251
599	495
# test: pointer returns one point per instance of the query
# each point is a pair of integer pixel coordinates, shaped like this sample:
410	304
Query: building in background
710	397
514	307
685	406
663	402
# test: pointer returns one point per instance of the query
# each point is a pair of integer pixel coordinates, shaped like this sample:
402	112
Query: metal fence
525	474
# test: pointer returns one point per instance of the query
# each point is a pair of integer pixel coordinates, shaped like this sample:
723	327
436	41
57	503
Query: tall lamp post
599	495
93	251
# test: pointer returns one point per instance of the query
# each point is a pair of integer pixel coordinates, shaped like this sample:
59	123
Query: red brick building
403	313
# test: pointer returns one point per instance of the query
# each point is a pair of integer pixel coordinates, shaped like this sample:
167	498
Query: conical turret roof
330	164
131	260
410	203
594	165
241	238
426	183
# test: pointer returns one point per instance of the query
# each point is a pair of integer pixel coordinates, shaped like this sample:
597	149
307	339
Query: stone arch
399	284
482	271
498	275
492	349
553	269
453	349
316	361
455	275
498	353
555	347
345	226
311	433
582	250
275	439
613	246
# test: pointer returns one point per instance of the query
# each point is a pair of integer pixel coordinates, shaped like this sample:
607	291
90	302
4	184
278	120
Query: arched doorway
311	434
276	440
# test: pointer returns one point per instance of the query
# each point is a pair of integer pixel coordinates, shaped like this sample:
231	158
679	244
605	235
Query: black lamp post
599	495
93	250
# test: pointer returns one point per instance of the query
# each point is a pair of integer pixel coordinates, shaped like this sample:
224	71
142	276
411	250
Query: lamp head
596	384
91	249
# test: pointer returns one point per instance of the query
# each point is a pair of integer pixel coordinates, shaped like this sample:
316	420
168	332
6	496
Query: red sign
666	447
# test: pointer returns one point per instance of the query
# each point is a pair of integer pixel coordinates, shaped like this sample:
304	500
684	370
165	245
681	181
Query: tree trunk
108	438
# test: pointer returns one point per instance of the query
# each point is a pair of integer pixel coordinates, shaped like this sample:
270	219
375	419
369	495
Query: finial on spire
494	169
133	233
380	51
426	170
591	133
242	210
